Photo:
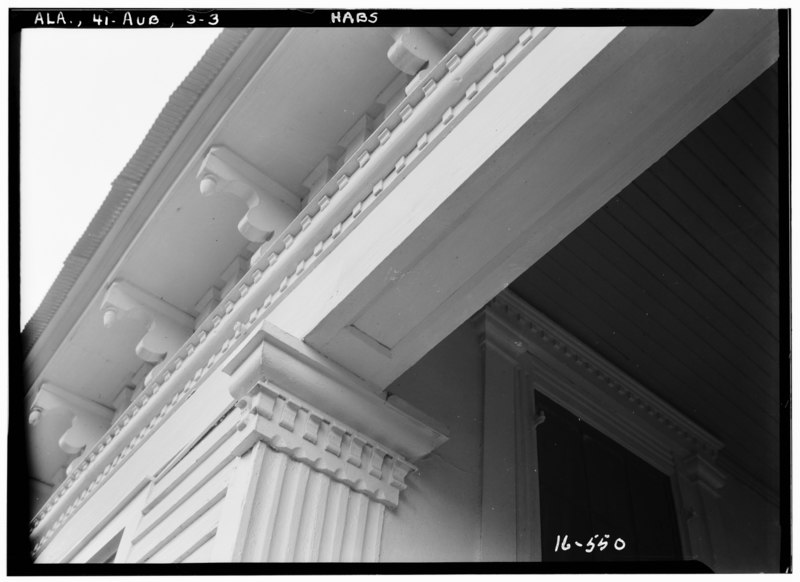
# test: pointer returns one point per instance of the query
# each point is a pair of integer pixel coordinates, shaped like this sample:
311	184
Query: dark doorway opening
599	501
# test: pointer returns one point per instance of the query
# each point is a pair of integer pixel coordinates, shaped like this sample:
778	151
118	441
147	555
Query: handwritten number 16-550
595	542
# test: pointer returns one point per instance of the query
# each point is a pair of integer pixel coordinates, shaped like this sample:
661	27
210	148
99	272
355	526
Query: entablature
240	331
576	377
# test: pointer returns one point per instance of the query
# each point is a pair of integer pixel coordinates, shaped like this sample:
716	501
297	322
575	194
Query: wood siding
216	504
676	279
183	507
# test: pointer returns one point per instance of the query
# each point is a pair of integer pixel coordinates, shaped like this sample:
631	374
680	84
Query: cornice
516	323
168	124
308	435
441	100
271	355
212	87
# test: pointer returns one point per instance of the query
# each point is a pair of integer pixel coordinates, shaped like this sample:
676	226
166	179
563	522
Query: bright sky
88	98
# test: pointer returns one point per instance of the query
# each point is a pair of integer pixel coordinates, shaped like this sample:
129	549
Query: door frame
525	352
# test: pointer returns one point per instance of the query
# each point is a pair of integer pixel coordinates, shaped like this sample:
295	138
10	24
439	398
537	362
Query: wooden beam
563	132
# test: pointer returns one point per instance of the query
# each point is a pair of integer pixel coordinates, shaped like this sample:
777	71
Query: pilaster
300	463
510	529
310	489
331	457
699	483
527	353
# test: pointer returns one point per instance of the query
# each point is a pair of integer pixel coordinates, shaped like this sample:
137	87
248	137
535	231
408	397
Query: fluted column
310	489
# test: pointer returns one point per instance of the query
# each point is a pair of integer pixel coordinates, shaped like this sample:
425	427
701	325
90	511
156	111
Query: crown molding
308	435
514	326
573	374
273	356
443	98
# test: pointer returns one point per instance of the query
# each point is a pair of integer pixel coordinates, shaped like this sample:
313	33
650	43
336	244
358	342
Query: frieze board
346	197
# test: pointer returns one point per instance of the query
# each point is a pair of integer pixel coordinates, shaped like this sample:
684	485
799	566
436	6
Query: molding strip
441	100
528	329
305	434
180	103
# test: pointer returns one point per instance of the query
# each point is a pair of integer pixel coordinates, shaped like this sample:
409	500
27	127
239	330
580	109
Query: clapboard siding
229	499
676	279
182	516
202	553
182	509
185	541
200	466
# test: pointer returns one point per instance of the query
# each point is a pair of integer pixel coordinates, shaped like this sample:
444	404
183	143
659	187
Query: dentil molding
447	92
577	377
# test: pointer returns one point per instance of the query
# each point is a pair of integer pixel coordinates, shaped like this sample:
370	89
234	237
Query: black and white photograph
403	291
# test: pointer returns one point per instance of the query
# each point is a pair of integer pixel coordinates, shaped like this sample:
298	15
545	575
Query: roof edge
166	126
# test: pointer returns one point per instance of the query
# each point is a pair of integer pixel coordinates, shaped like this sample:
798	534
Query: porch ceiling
675	280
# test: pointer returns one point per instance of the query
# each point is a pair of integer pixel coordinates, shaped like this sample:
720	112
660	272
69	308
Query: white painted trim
280	269
209	495
325	216
461	242
235	517
206	114
510	522
50	396
609	398
124	517
442	101
543	357
126	543
308	435
107	551
297	368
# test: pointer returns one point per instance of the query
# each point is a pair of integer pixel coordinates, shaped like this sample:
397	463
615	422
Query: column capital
274	357
308	435
494	332
271	207
703	473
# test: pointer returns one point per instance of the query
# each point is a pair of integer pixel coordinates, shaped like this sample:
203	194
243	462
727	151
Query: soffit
181	102
307	94
188	240
675	280
315	86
